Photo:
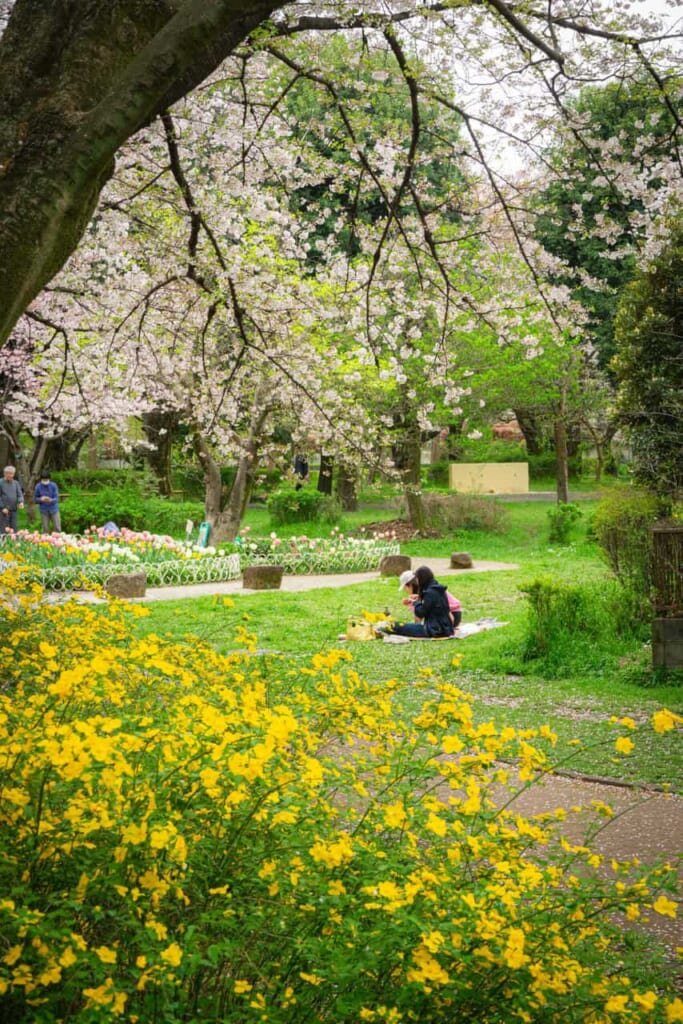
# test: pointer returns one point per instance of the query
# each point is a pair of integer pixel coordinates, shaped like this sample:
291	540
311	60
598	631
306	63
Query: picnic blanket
464	630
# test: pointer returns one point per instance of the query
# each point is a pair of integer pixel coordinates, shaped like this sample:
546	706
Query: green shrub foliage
622	527
289	505
578	624
450	512
127	506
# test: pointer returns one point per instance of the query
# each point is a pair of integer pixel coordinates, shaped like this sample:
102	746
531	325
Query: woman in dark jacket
431	606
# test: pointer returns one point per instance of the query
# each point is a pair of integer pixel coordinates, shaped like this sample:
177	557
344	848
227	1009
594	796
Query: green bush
287	505
437	473
450	512
573	627
562	517
127	507
97	479
543	466
481	450
622	527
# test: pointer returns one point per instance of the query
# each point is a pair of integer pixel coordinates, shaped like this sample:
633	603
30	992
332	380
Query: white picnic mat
464	630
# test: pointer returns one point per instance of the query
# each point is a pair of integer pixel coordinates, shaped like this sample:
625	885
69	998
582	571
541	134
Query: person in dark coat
11	499
46	495
430	605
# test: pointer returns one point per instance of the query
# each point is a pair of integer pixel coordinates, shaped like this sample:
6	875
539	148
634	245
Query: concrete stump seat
461	560
127	584
262	577
394	565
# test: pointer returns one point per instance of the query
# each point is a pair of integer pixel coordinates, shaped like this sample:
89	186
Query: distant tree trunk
407	452
531	425
159	426
92	450
29	467
64	451
562	458
325	474
226	516
347	487
602	441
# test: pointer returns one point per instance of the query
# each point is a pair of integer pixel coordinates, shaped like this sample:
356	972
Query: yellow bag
359	629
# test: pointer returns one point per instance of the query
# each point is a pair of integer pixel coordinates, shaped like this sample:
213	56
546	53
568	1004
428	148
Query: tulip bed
320	555
67	562
62	561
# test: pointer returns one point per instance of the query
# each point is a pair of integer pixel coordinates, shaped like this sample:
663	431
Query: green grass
600	683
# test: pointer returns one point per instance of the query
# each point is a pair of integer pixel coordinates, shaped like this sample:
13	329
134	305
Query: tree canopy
77	79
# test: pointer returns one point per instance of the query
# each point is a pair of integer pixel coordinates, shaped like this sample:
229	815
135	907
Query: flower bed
65	562
306	555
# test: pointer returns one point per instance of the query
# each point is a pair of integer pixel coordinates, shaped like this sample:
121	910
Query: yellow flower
134	834
395	815
13	955
436	825
647	1000
616	1004
312	979
106	955
624	745
674	1011
172	955
664	906
68	957
665	720
242	986
102	995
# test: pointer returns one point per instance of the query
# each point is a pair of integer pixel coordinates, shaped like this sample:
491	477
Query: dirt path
647	824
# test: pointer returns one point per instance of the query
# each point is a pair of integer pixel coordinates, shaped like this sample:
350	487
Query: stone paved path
439	566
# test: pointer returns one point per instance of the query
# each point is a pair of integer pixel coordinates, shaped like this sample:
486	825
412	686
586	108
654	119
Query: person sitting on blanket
430	605
408	582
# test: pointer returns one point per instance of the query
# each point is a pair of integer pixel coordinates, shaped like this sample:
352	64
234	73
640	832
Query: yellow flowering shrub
191	837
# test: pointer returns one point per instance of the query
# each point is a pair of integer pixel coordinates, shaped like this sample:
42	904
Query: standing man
47	500
11	499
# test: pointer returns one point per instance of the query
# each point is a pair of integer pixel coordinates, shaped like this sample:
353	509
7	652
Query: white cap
406	577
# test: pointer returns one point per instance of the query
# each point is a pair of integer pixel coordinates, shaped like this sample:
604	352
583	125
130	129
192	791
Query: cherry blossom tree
196	293
78	79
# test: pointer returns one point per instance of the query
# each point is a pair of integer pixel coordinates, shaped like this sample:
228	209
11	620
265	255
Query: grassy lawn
576	700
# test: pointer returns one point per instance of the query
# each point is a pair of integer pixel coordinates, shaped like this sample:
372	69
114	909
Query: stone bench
262	577
394	565
127	585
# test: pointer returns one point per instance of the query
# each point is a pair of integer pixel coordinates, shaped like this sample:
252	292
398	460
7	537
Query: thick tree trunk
62	452
77	79
325	474
226	517
227	526
347	487
159	426
212	478
29	468
531	425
